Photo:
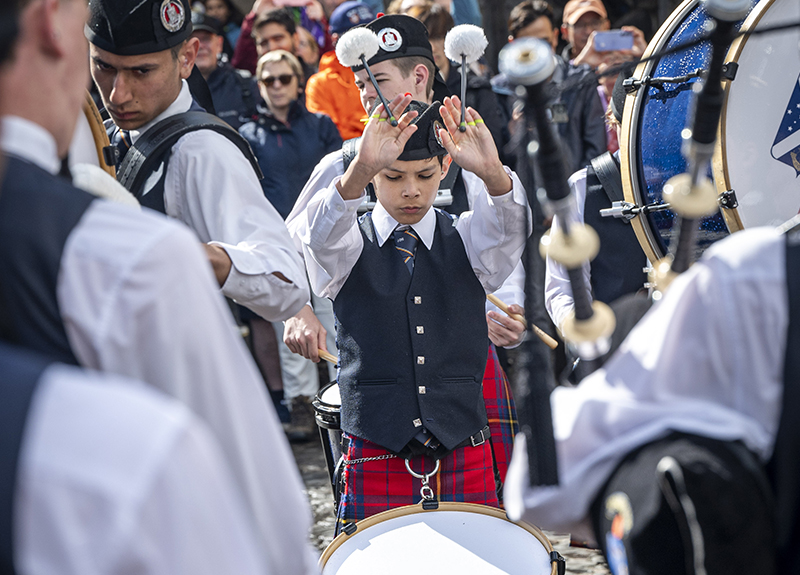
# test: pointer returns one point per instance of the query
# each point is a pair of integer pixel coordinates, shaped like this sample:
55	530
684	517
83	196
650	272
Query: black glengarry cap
399	36
425	142
134	27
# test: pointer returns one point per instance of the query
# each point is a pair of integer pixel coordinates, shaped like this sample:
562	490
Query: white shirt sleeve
557	289
211	187
324	172
115	478
138	298
331	240
494	232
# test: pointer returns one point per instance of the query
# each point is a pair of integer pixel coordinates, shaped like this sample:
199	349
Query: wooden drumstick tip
329	357
551	343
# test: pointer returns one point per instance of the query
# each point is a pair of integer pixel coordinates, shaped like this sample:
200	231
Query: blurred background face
209	51
273	36
218	9
279	86
578	33
437	46
542	29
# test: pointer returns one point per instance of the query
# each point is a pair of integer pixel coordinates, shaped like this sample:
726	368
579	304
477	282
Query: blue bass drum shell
650	146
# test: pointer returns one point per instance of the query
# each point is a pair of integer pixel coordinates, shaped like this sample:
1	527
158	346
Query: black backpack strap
349	153
784	467
146	154
248	97
607	171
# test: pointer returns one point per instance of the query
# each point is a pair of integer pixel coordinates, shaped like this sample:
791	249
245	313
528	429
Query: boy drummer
408	285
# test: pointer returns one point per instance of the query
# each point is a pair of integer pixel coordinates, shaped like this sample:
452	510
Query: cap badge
390	39
172	15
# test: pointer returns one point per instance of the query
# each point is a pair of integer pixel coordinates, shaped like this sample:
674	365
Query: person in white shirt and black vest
185	163
410	381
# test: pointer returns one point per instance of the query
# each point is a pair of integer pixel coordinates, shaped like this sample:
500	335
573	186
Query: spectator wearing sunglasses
288	142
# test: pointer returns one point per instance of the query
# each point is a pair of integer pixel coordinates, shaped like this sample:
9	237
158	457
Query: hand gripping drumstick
551	343
329	357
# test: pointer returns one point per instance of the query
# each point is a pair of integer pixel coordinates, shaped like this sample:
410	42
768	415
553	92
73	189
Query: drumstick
551	343
328	356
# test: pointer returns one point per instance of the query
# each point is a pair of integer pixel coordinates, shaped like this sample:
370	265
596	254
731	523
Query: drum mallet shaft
329	357
551	343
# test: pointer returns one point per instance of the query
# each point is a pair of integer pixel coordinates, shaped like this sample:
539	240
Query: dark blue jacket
287	153
235	95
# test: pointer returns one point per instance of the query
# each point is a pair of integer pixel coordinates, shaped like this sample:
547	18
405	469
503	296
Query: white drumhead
331	395
438	542
755	133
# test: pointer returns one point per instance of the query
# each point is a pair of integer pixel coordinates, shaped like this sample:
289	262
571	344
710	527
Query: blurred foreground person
680	454
85	281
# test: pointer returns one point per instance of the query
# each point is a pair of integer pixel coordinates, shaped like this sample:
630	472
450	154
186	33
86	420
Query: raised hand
474	150
381	144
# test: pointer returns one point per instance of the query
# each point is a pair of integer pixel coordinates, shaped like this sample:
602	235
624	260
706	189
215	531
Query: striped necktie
405	242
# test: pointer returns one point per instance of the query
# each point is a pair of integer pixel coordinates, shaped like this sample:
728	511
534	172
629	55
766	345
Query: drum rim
630	128
372	520
719	163
318	398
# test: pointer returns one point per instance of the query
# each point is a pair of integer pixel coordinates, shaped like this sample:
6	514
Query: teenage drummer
408	285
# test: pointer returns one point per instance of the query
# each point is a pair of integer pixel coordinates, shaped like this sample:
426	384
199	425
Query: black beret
399	36
133	27
8	31
618	94
425	142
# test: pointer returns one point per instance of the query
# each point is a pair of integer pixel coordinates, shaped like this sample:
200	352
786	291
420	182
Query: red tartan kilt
466	475
500	412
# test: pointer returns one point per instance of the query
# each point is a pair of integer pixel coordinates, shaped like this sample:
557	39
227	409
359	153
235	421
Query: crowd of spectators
273	74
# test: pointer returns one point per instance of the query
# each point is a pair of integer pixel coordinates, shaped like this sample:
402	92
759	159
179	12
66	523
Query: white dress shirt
211	187
707	360
116	478
557	288
332	166
138	298
493	235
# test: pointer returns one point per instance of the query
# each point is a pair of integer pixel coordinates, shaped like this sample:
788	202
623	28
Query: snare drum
461	538
653	118
327	407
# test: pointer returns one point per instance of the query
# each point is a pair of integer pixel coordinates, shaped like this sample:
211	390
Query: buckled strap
476	439
561	563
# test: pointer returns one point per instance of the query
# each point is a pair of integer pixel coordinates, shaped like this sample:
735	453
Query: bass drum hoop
99	134
443	506
628	145
719	162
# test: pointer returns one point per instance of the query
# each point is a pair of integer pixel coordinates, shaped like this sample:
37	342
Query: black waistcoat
784	468
19	373
617	269
38	212
412	349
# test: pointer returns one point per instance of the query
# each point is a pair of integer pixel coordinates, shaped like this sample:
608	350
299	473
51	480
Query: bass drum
89	138
461	538
655	115
758	154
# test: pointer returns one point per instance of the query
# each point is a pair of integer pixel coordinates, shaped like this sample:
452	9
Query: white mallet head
354	44
465	41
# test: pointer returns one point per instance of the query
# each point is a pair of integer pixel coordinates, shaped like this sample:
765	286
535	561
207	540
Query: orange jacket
332	91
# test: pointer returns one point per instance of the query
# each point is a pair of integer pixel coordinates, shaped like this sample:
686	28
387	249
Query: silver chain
365	459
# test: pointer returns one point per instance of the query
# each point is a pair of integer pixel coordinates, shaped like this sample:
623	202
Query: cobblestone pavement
311	462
